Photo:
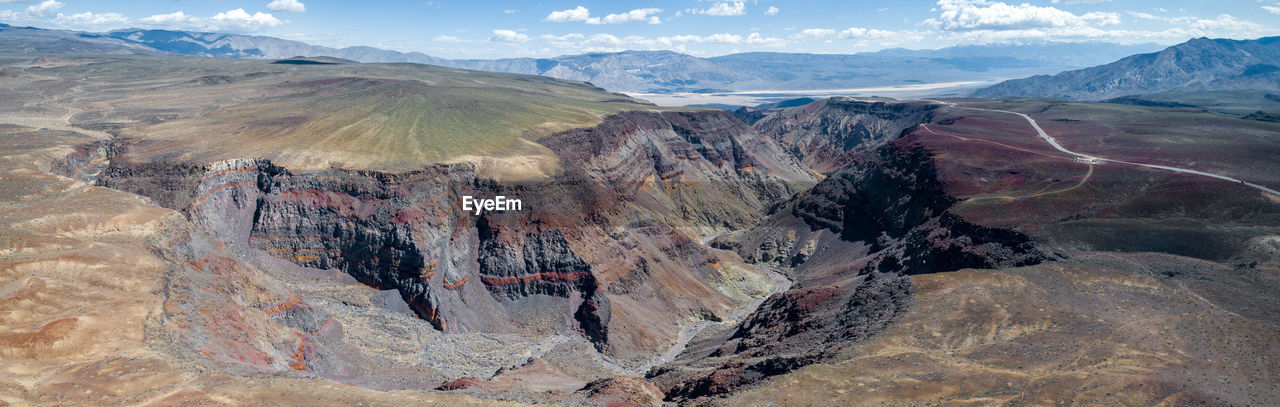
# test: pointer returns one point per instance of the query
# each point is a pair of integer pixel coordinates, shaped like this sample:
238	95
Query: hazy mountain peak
1198	64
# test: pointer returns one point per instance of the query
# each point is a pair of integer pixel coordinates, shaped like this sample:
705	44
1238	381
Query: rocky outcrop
516	266
828	134
528	264
704	168
894	203
371	225
620	391
750	115
807	318
849	243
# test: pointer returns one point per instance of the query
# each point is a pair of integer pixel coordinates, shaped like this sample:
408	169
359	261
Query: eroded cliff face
828	134
703	169
607	249
109	299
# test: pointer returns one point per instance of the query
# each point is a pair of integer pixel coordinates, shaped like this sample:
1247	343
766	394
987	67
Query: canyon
659	255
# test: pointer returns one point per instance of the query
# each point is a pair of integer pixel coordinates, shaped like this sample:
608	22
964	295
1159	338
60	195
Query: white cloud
510	11
721	38
447	38
871	33
45	8
679	43
772	11
1272	9
173	18
581	14
640	14
734	8
986	14
230	20
1223	26
92	19
567	16
1101	18
241	20
291	6
813	33
884	37
45	14
757	39
1146	16
508	36
992	21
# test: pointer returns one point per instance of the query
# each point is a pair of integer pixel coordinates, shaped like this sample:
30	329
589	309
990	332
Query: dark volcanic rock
536	263
889	205
1263	116
895	203
621	391
828	134
749	115
807	318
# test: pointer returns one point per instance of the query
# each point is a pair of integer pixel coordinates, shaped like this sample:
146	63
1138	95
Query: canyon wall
607	248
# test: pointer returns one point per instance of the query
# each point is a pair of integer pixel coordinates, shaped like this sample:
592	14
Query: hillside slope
635	70
317	113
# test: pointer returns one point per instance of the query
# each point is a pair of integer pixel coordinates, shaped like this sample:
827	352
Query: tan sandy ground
1094	330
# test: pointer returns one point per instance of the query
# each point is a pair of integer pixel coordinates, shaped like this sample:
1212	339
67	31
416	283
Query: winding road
1059	147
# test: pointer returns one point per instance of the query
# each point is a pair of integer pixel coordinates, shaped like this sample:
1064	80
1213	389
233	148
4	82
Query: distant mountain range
1197	65
629	71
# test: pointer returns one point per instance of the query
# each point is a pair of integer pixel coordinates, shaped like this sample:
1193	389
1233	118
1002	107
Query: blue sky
489	29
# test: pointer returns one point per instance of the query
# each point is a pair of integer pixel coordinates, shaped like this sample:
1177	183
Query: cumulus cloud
568	16
230	20
581	14
1272	9
679	43
239	19
45	13
986	14
992	21
508	36
734	8
291	6
173	18
92	19
1222	26
640	14
772	11
45	8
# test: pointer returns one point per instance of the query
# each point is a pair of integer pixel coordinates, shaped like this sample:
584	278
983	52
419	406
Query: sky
495	29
